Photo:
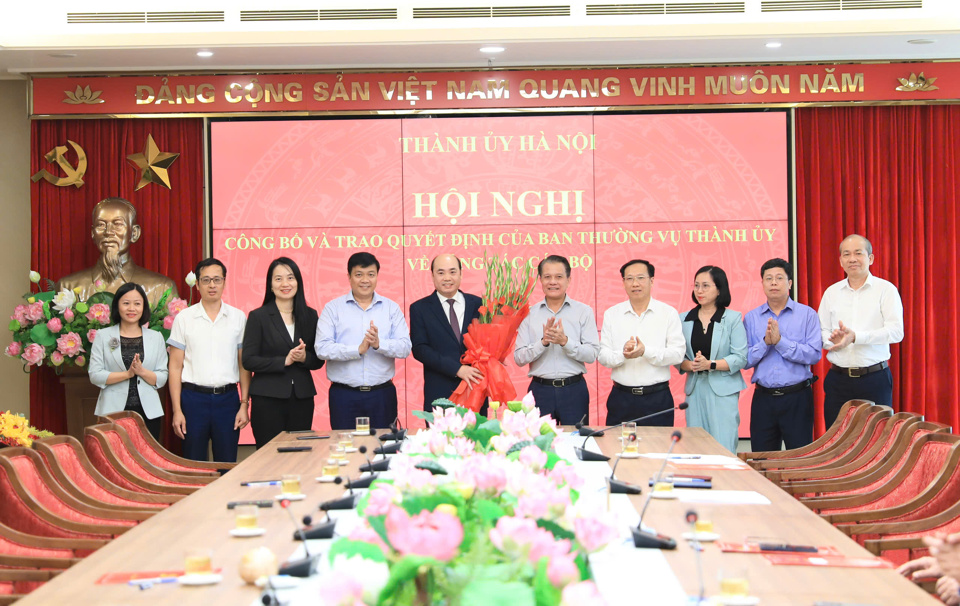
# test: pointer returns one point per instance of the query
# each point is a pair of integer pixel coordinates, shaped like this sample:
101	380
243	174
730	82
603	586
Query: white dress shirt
209	348
556	361
658	328
459	306
874	312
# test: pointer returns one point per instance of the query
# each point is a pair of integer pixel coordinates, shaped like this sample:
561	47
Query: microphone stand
619	486
322	530
651	539
583	429
381	465
363	482
588	455
306	566
347	502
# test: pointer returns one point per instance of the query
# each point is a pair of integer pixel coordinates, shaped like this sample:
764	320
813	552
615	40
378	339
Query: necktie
454	323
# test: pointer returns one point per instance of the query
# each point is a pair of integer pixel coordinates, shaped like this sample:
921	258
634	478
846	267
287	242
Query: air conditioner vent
862	5
184	17
781	6
459	12
106	17
357	13
625	9
531	11
699	8
279	15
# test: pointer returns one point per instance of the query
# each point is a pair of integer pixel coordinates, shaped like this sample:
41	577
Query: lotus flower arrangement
56	328
461	522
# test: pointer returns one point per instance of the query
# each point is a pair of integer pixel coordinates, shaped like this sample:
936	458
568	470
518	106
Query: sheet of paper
721	497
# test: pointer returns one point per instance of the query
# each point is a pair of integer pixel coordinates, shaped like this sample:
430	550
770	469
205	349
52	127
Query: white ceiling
30	44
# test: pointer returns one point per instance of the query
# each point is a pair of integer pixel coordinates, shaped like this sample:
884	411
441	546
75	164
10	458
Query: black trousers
776	419
347	404
623	406
838	389
567	405
270	416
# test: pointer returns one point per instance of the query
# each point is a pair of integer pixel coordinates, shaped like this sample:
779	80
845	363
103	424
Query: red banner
484	90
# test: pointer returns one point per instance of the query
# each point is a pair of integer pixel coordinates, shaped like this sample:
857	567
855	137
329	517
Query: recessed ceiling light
204	54
921	41
773	45
64	55
492	49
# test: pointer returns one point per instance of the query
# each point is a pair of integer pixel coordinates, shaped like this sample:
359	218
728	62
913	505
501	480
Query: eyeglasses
208	281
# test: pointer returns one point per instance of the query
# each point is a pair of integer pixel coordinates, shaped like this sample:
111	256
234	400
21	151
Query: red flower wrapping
487	347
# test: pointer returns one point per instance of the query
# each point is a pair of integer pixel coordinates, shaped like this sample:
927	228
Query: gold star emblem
153	164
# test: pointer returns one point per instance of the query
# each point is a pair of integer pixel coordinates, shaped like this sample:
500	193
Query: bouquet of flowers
467	520
16	431
491	337
57	328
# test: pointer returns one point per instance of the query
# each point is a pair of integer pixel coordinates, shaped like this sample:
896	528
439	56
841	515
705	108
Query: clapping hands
297	354
370	339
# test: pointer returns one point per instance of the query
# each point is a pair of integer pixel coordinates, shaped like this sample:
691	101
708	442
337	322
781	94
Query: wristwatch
713	365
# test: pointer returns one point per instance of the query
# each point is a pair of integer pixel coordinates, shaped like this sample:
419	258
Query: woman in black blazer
278	349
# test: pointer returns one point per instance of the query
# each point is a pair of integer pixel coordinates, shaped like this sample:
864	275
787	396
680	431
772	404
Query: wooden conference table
202	520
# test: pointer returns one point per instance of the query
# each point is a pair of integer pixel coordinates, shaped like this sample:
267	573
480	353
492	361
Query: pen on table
682	456
262	483
147	583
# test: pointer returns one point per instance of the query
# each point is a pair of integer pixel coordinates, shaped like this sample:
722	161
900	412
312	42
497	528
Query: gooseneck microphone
381	465
652	539
584	430
396	433
587	455
321	530
298	568
697	548
363	482
346	502
619	486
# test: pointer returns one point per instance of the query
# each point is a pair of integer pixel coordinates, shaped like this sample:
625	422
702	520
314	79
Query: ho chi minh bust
114	230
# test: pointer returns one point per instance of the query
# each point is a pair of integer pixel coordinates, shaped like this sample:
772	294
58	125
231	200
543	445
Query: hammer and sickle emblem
74	174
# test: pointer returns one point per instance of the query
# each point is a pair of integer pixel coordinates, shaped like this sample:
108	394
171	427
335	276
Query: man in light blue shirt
360	335
558	339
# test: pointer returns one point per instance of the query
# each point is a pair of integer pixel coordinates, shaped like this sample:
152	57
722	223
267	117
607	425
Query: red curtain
891	174
172	219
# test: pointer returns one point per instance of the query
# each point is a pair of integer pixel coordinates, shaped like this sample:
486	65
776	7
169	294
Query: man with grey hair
859	318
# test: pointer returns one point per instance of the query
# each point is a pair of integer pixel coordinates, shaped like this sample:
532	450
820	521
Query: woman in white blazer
128	361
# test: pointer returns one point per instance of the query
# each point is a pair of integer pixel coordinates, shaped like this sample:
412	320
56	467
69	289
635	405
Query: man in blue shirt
783	340
360	335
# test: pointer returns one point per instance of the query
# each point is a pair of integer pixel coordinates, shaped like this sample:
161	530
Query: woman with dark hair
278	350
128	361
716	352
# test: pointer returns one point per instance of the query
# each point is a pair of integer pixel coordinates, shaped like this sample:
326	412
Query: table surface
202	520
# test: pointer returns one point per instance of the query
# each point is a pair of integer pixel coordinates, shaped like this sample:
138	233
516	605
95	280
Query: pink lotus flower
528	402
381	500
564	473
56	358
20	314
366	534
489	473
168	322
34	312
14	349
175	306
533	457
433	534
562	570
99	312
80	361
68	315
341	590
70	344
437	443
54	325
584	592
33	354
91	335
595	532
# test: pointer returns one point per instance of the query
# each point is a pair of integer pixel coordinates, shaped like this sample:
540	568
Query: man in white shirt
206	345
558	339
640	340
859	318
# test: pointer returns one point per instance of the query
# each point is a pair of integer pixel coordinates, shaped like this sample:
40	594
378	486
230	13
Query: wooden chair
879	466
903	541
155	453
848	412
861	427
885	435
111	453
26	566
17	583
66	460
38	511
927	459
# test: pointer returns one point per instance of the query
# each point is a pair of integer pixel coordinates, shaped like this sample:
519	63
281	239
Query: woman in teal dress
716	353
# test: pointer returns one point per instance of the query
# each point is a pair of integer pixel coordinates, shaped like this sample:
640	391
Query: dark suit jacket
434	344
266	344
